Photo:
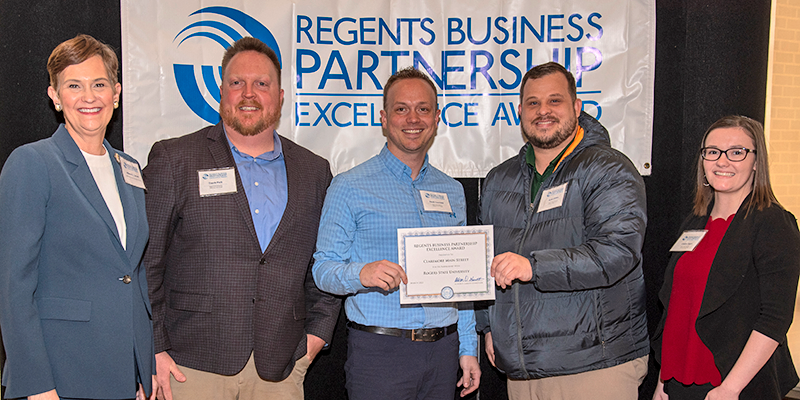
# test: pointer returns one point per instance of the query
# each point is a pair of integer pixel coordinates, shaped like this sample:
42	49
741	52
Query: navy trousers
393	368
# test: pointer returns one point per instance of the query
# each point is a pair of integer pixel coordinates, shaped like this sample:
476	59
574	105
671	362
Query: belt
416	335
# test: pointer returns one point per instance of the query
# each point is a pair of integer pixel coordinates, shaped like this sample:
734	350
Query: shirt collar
273	155
397	167
530	157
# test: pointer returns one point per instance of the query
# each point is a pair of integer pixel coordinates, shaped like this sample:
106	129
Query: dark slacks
678	391
392	368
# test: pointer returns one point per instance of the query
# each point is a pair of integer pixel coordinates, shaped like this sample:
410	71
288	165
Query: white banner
336	56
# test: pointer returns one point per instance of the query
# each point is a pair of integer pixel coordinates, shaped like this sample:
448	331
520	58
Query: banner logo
337	55
188	82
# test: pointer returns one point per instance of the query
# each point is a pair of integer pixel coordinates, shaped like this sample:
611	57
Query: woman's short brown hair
77	50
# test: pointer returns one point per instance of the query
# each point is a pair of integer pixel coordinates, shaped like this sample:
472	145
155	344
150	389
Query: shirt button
256	183
126	279
262	261
256	211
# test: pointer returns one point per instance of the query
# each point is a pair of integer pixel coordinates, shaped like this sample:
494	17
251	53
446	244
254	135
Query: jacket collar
85	182
594	133
220	150
730	262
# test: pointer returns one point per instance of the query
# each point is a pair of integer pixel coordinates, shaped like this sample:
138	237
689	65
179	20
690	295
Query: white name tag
214	182
435	201
688	240
130	172
552	198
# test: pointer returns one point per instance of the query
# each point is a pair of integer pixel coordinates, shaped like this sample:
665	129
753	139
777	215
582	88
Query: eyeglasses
736	154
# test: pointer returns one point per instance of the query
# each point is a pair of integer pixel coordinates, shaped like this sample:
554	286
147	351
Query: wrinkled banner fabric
336	56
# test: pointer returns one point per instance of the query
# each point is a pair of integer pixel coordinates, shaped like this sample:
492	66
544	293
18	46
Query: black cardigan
751	286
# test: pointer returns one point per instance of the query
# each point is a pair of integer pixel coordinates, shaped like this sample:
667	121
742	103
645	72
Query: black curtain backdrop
711	60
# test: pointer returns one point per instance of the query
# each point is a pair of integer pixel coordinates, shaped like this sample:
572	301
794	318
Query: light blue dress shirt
264	181
363	209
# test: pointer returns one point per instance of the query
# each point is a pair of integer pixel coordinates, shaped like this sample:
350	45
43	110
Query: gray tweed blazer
216	298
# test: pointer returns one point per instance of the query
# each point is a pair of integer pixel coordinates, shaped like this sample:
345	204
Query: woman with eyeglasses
729	288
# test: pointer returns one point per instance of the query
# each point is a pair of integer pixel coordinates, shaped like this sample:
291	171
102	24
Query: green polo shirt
538	179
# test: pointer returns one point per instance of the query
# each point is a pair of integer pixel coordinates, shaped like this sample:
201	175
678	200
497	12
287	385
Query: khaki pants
246	385
620	382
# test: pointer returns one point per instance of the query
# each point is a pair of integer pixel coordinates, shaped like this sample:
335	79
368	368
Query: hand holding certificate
446	264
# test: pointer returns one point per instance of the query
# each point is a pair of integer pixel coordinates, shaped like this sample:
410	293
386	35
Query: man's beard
268	118
558	137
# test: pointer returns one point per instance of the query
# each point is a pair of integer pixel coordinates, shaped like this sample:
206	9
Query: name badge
688	240
214	182
435	201
552	198
130	172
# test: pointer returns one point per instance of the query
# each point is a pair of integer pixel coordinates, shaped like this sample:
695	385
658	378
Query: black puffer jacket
585	307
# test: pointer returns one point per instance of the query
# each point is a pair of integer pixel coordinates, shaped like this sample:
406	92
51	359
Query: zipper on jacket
597	322
515	287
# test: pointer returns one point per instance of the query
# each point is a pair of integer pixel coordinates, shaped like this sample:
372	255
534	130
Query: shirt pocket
436	218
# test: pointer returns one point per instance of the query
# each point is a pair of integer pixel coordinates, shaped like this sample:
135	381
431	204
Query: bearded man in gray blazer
234	210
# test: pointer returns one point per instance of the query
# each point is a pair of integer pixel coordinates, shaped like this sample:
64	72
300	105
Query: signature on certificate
467	278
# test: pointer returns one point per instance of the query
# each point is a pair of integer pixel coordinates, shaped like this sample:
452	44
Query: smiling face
87	97
410	118
251	96
730	180
548	116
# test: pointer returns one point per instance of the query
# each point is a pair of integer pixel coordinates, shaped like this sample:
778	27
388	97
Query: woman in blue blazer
74	311
729	298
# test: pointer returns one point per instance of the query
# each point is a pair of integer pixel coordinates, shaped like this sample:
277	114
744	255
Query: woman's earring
58	107
116	105
706	181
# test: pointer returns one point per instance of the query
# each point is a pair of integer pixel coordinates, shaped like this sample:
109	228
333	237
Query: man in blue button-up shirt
357	256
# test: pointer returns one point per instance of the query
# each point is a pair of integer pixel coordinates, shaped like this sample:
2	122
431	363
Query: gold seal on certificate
446	264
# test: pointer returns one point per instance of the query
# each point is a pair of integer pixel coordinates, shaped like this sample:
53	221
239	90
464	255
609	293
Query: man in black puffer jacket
569	219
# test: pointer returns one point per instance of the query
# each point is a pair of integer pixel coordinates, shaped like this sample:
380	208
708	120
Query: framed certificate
446	264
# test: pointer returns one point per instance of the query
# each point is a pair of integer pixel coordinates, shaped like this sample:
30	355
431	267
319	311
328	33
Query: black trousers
678	391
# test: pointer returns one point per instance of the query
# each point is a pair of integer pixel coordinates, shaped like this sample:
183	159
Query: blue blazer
74	310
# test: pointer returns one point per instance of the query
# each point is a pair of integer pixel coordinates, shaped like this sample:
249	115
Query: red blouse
683	355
